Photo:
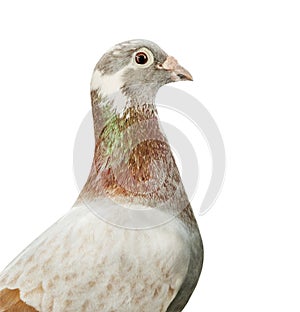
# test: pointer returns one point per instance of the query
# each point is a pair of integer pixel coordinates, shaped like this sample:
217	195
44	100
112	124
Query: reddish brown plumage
141	168
10	301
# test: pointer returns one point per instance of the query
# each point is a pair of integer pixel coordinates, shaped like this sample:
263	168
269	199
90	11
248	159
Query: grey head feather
120	55
140	85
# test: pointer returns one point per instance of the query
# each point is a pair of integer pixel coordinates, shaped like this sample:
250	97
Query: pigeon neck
132	158
118	104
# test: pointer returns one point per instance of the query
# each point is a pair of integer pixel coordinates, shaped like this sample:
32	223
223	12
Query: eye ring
143	58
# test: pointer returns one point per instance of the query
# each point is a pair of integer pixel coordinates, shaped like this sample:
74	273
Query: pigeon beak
178	73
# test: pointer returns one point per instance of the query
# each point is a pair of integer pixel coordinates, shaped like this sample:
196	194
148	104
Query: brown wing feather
10	301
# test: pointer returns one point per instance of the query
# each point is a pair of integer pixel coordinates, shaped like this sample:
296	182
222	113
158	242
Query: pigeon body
130	242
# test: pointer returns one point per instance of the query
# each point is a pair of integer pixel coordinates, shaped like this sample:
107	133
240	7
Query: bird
130	242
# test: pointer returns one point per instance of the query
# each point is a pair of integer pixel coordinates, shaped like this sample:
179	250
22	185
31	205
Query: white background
245	59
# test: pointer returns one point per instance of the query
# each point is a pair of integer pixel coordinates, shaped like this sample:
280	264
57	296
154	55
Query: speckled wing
84	264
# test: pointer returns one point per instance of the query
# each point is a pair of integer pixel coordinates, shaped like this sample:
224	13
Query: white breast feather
89	265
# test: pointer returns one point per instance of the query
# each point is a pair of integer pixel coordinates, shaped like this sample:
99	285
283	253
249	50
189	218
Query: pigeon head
131	73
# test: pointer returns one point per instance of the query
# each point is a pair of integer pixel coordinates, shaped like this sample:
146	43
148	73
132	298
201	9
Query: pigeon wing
85	264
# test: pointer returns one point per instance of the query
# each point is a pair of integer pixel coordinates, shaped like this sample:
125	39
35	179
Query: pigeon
130	243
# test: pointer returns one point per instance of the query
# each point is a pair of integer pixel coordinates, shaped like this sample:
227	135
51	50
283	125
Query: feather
10	301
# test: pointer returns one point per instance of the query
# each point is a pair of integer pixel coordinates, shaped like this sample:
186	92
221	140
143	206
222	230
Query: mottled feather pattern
133	269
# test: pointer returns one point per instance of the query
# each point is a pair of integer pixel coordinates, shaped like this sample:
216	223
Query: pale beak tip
185	76
189	77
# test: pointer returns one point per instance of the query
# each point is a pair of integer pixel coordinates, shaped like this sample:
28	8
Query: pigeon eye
141	58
